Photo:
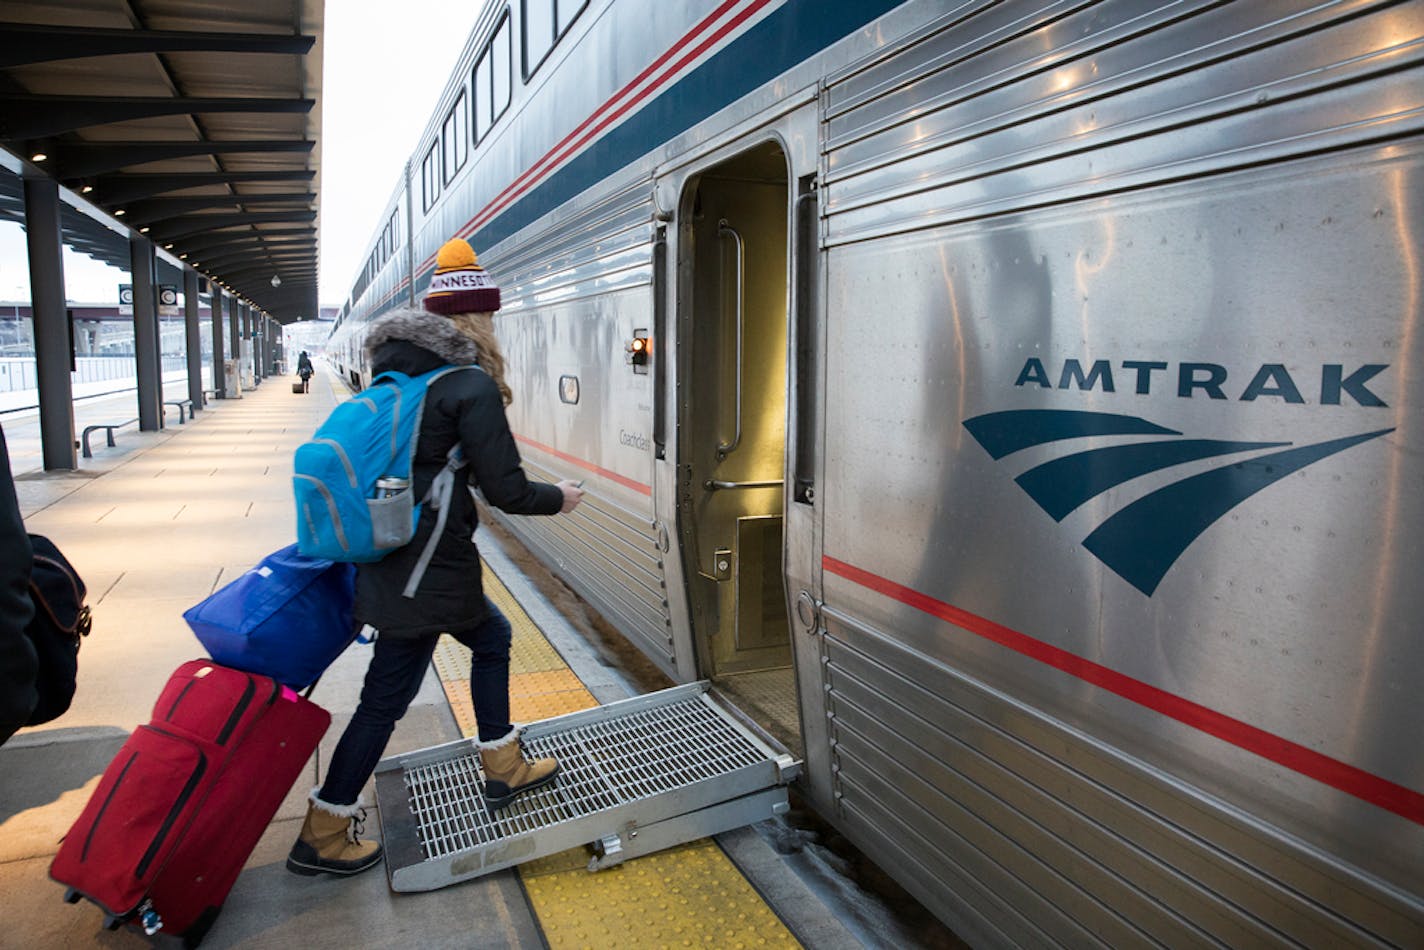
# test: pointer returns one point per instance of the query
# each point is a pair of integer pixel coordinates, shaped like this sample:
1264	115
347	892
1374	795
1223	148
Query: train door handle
723	230
722	564
808	611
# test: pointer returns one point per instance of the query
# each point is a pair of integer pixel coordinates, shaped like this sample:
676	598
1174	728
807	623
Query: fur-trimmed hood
427	330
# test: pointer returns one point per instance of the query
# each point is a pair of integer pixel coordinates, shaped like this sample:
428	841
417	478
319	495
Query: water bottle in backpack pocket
393	512
352	480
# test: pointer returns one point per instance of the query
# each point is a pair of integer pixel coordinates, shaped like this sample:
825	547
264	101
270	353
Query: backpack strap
439	495
441	490
391	375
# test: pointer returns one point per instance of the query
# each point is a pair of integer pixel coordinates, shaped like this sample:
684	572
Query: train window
455	143
499	49
492	81
483	83
430	176
568	11
538	33
544	22
395	230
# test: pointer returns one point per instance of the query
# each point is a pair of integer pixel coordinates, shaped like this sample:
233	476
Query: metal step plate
673	765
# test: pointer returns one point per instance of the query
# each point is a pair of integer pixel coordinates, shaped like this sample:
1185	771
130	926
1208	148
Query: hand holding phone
573	494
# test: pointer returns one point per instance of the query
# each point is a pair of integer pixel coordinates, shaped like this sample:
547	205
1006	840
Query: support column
253	341
145	316
258	342
234	320
219	392
194	337
247	378
51	324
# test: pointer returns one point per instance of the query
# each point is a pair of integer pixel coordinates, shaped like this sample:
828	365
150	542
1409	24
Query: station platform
158	522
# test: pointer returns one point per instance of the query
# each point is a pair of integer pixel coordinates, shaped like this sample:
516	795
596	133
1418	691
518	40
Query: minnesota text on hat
460	280
460	285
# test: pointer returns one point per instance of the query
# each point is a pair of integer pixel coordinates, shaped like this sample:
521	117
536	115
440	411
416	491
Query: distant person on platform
464	409
305	370
18	663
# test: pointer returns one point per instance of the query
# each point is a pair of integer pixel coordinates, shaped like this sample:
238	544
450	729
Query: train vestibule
732	306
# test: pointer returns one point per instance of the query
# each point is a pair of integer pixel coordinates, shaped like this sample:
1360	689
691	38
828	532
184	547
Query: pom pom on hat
460	284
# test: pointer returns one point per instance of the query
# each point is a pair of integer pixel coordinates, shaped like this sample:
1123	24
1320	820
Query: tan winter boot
330	840
507	774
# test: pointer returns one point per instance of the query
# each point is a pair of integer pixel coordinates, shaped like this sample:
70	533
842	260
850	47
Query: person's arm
494	459
17	655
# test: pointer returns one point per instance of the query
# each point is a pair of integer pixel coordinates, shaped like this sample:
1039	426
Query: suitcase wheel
71	896
199	929
111	922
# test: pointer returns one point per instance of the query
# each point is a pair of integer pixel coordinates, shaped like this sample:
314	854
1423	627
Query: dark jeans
397	667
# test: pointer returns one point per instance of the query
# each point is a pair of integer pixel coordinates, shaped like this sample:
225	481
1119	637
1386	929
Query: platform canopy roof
196	123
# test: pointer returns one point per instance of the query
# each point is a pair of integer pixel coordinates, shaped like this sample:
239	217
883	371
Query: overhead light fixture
276	281
38	157
120	213
143	230
86	189
168	247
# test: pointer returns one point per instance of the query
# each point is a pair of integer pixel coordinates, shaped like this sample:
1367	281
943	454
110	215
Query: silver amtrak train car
1018	406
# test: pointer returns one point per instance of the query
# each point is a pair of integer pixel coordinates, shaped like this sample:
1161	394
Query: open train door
746	376
732	277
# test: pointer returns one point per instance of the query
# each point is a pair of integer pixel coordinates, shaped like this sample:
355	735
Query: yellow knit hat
460	284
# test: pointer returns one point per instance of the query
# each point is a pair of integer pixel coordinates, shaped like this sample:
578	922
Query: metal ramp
635	776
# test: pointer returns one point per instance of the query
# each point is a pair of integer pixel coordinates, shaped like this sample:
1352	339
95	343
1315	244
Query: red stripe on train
1402	801
638	487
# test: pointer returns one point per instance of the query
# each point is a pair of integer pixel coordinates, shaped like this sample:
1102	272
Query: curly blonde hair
479	327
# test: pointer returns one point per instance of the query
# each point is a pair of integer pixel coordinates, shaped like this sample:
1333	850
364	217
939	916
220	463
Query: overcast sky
384	67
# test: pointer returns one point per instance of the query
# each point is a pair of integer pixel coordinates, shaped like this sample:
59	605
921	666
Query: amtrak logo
1141	542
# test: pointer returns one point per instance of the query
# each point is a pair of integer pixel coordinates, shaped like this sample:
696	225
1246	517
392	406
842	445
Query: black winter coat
17	655
464	406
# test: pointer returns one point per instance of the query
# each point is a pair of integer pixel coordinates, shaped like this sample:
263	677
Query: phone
579	483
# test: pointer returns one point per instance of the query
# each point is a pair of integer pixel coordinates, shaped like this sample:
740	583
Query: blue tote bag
287	618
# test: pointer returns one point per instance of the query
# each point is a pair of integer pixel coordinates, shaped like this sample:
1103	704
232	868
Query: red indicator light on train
638	351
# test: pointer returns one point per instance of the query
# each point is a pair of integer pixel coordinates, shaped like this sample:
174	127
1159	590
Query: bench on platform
110	426
181	404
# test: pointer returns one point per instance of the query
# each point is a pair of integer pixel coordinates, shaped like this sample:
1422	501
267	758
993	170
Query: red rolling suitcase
179	810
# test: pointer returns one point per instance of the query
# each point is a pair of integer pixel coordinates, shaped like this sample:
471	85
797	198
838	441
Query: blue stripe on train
797	31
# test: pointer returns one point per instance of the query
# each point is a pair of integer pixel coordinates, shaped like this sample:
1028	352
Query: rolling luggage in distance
299	387
179	810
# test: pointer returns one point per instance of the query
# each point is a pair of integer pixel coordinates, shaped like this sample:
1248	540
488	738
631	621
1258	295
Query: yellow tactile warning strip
540	684
684	897
687	896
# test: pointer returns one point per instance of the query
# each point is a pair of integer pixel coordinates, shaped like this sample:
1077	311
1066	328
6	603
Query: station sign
168	300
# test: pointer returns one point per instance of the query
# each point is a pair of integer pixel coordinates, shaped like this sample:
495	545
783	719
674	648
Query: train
1015	406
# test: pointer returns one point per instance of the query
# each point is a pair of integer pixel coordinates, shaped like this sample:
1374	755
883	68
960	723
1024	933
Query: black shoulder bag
61	620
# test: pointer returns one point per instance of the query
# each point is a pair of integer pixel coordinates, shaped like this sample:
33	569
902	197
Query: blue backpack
342	515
